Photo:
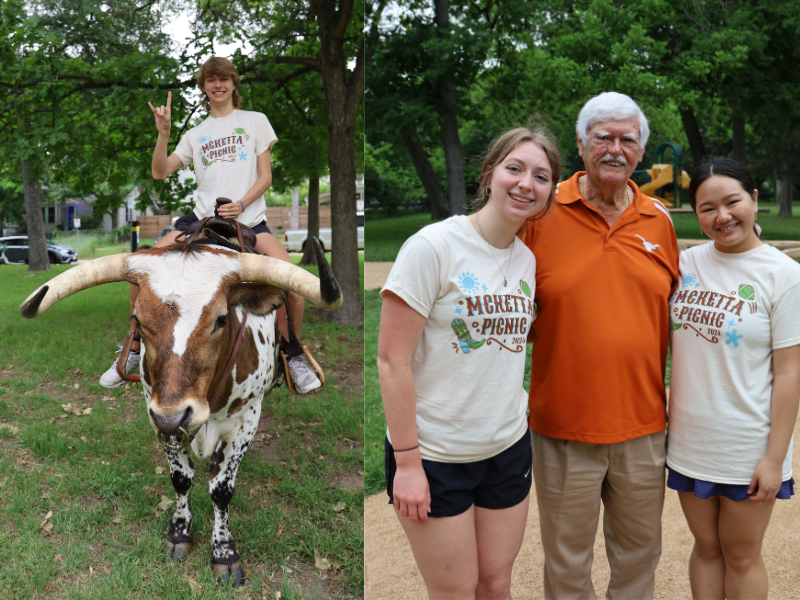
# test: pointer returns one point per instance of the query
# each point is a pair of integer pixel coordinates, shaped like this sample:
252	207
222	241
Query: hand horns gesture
163	115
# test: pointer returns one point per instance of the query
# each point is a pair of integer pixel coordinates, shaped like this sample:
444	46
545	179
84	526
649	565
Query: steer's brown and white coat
190	309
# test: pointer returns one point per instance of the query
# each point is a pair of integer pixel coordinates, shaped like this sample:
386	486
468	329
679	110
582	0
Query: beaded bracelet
243	204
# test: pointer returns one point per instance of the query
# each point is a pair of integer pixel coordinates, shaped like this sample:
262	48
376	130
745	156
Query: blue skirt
705	489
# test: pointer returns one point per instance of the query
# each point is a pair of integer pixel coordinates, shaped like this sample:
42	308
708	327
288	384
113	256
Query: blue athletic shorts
705	489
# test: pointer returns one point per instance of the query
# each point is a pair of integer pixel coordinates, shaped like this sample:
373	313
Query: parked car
295	239
14	249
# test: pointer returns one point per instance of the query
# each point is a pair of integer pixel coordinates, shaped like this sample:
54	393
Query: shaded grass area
100	474
385	237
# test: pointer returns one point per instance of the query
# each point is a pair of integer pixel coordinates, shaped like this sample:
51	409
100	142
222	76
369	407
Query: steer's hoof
232	572
179	551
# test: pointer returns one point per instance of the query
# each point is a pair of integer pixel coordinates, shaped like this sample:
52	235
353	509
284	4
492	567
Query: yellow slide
661	175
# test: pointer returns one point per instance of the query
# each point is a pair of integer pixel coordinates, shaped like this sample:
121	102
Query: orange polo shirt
600	341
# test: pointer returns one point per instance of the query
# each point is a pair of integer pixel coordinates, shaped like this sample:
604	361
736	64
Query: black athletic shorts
501	481
183	223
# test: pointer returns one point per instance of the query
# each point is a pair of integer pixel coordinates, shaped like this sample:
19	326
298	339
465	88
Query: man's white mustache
611	157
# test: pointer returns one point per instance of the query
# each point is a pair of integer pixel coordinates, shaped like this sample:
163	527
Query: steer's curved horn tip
30	308
328	286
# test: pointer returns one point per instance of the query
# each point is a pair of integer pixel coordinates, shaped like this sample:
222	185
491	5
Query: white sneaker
111	378
305	380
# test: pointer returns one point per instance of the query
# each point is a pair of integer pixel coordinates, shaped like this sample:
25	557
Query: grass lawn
80	495
384	237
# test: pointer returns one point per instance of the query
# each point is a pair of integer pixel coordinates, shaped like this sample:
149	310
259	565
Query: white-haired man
607	262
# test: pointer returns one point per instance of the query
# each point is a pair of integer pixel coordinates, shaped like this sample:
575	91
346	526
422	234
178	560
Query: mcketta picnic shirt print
728	314
469	365
224	152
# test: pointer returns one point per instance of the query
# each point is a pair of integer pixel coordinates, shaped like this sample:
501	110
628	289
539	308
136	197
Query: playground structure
665	182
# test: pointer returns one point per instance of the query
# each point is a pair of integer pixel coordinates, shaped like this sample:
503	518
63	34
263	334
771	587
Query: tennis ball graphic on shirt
239	130
747	292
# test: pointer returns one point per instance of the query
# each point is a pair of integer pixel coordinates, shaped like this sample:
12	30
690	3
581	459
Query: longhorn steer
190	309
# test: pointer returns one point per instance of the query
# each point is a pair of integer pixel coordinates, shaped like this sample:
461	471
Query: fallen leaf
323	564
339	506
164	505
150	491
117	521
83	439
87	411
280	532
196	587
277	595
159	470
360	472
91	570
58	558
31	275
13	429
76	385
47	526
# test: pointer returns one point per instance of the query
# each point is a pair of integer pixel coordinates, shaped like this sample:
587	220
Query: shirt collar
568	192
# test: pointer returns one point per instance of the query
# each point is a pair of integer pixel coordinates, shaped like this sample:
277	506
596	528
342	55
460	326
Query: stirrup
312	363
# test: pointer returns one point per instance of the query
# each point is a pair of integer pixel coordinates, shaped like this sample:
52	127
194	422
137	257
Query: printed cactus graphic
207	162
464	338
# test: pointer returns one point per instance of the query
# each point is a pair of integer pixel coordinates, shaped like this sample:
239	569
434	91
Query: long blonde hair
504	144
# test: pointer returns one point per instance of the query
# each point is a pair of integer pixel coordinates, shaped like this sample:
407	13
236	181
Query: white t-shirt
224	154
728	314
470	362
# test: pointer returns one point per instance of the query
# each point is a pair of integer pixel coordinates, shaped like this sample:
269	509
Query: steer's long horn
324	292
101	270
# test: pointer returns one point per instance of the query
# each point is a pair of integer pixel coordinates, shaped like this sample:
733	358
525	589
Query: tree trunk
456	187
38	260
692	130
783	194
342	100
309	258
739	153
440	207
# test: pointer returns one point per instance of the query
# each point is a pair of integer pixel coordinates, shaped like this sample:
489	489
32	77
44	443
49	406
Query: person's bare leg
295	305
445	550
706	563
741	533
499	536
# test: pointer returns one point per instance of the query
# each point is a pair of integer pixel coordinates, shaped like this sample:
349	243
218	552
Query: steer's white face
186	324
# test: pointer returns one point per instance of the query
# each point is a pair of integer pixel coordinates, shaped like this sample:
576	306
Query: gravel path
391	573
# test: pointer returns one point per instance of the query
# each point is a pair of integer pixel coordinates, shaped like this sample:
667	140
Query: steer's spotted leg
179	539
225	561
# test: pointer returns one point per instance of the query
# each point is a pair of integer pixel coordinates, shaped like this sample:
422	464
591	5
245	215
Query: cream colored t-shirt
224	153
470	362
728	314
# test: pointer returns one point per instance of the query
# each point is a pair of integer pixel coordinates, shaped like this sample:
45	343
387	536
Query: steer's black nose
170	425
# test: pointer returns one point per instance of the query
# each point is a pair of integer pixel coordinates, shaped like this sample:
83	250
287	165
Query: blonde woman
457	307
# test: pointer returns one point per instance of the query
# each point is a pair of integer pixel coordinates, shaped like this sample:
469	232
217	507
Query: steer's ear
257	298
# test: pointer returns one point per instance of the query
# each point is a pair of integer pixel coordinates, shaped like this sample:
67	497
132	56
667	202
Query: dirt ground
391	573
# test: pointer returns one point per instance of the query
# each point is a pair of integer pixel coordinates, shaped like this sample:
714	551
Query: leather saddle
227	233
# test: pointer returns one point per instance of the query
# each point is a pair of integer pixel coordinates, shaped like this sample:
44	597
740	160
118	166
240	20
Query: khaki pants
571	479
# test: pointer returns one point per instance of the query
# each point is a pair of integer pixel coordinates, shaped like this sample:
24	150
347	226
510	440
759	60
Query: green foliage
97	472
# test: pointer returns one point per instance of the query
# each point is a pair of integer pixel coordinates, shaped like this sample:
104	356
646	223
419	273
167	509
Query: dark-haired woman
457	306
230	151
735	385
